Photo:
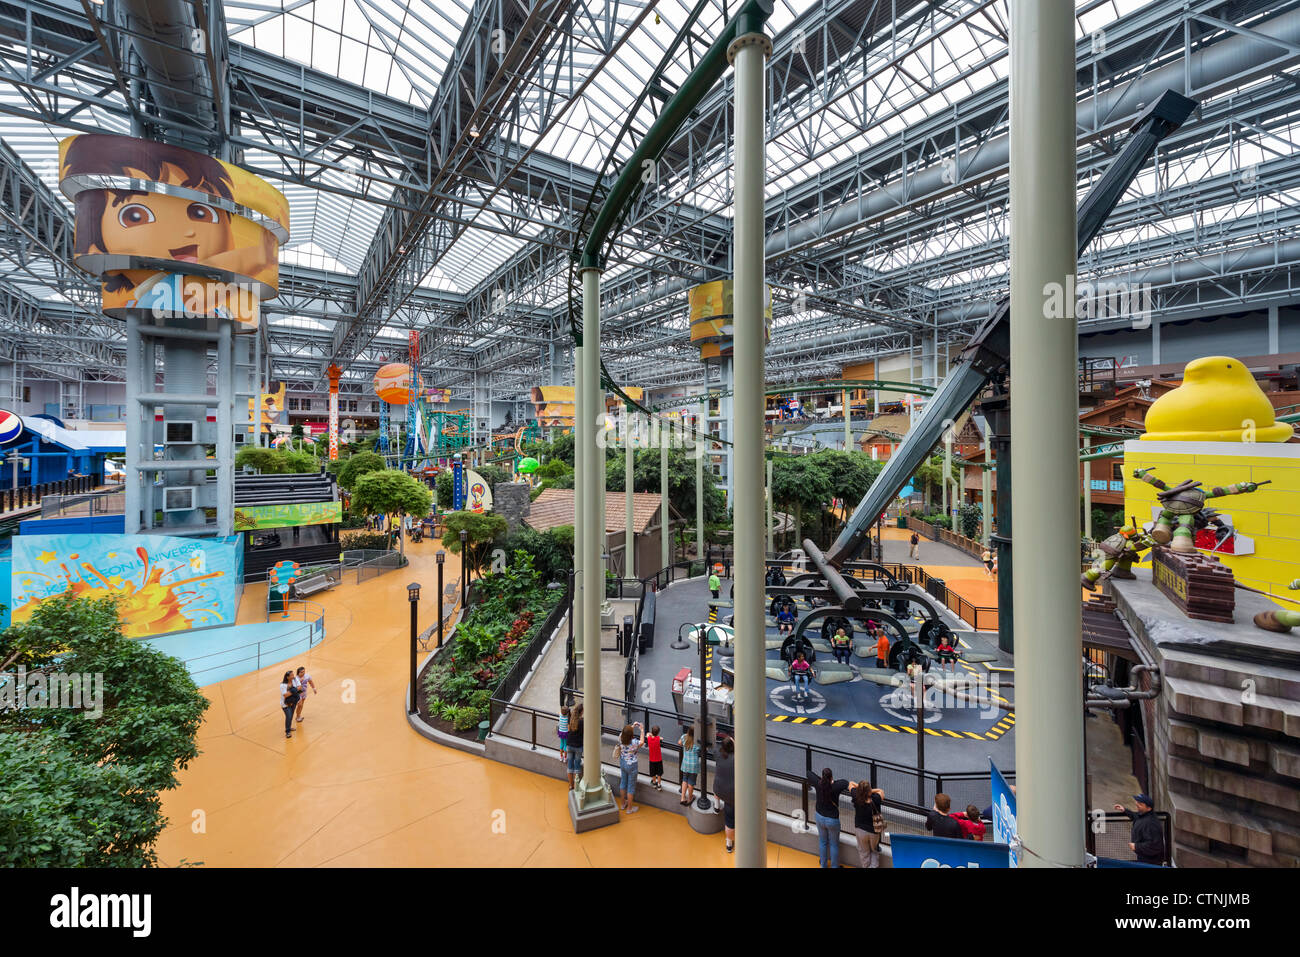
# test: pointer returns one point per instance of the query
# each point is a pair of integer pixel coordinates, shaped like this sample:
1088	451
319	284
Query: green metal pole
700	447
748	53
848	426
770	517
579	514
590	416
987	506
1087	489
1044	430
629	536
947	470
665	527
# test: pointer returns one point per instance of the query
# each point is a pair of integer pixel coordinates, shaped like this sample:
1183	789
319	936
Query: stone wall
510	501
1223	736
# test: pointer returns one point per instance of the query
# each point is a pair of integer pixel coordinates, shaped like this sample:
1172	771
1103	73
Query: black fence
509	685
29	496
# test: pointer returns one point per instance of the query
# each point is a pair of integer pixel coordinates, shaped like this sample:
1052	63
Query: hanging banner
163	583
251	517
457	484
915	850
478	496
171	231
1004	812
334	372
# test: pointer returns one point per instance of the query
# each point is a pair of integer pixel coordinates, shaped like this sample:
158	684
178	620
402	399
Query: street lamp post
440	558
464	571
413	595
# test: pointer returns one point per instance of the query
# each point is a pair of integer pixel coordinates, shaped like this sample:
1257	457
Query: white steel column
590	416
1044	429
629	543
748	53
665	526
701	424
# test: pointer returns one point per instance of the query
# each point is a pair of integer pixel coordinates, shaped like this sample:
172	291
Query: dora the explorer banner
172	232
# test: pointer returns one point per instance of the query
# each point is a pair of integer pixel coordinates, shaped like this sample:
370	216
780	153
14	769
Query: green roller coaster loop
592	253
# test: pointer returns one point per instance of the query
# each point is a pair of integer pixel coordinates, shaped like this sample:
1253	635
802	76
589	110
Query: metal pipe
1205	71
1044	421
579	495
846	593
749	53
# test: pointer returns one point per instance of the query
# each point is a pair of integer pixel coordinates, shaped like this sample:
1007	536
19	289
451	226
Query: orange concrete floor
356	786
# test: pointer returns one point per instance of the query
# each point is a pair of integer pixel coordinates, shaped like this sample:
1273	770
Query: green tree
482	529
800	483
296	461
390	492
492	474
357	466
297	432
266	461
930	472
443	489
81	791
681	481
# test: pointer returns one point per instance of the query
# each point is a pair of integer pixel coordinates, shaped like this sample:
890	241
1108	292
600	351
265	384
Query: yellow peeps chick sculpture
1219	401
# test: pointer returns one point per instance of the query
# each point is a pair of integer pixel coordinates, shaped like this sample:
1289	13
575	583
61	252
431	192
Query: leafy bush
487	643
970	520
481	531
369	539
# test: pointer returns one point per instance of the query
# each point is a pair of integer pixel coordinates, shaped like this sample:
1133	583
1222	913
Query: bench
312	584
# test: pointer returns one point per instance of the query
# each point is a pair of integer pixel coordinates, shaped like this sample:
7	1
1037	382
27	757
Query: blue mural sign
915	850
163	584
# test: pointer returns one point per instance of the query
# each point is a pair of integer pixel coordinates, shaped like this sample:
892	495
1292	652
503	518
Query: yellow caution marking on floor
993	736
820	721
951	734
779	717
890	727
972	734
799	720
908	727
932	731
839	724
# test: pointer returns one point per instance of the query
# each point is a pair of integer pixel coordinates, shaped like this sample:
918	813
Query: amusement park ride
844	580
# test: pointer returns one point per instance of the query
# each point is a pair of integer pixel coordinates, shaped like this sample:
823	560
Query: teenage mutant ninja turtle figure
1181	504
1118	553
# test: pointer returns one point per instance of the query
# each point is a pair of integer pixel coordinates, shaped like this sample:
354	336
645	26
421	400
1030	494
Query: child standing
690	764
562	731
971	826
654	746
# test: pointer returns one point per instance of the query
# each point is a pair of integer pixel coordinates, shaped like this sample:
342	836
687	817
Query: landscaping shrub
493	635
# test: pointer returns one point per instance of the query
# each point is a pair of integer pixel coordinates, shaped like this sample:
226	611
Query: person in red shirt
971	825
654	745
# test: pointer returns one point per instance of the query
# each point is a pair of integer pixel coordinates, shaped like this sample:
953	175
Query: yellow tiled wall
1271	516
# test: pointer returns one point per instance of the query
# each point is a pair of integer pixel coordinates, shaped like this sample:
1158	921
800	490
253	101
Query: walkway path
355	786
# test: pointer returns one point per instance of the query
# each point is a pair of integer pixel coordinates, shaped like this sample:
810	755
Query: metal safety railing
103	502
31	496
265	652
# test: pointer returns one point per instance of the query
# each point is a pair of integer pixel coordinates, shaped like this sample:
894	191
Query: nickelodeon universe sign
170	232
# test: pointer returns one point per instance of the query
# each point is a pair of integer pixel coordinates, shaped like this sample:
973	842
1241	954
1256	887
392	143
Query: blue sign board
913	850
1004	812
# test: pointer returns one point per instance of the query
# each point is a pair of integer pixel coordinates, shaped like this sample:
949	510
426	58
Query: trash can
483	727
902	521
